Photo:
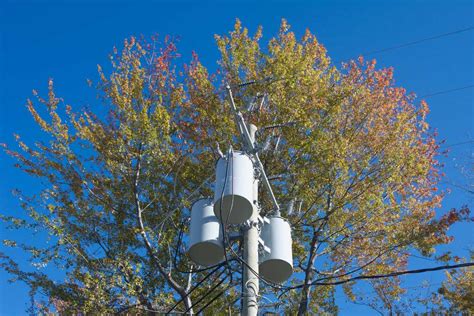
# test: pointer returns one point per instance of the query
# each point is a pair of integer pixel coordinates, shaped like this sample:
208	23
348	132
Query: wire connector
250	223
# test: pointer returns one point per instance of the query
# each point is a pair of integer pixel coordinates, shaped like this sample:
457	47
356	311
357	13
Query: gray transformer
205	240
233	194
276	261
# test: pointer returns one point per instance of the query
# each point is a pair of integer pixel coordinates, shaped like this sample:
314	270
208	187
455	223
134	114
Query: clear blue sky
65	40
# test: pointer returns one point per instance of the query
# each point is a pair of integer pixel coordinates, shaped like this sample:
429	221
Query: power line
226	259
208	293
388	275
334	283
417	41
195	287
446	91
358	277
459	144
211	301
429	285
271	80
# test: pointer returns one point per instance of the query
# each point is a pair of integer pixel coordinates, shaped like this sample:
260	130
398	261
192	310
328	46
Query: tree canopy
351	151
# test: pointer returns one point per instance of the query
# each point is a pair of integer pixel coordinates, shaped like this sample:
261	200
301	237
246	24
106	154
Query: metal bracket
262	247
249	223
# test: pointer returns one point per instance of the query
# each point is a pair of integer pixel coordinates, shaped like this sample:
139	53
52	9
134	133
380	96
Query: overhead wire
211	301
426	39
458	144
446	91
405	288
224	239
270	80
226	261
280	287
344	281
177	249
393	274
194	287
208	292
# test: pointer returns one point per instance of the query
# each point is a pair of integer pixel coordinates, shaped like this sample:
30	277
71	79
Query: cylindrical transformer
233	193
276	263
205	240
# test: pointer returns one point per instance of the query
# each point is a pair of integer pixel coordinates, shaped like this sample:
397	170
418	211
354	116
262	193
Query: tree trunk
181	290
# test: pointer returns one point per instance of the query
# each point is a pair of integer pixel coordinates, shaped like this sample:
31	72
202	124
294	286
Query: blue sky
65	40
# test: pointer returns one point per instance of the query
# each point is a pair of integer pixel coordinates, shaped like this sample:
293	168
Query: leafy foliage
351	146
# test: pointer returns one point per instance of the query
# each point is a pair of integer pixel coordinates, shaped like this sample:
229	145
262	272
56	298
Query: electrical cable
388	275
213	299
418	41
289	288
270	80
229	155
446	91
458	144
194	287
226	262
270	283
208	292
175	263
199	283
226	259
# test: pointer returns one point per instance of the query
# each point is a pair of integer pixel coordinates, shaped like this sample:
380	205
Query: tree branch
169	279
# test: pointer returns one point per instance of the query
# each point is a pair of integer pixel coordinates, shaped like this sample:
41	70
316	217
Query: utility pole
250	252
270	231
251	232
274	266
250	286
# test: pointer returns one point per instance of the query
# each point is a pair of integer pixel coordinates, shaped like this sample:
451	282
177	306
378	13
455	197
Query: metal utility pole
251	230
270	232
250	252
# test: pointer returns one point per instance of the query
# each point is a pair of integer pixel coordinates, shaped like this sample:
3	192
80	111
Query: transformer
233	193
276	261
205	240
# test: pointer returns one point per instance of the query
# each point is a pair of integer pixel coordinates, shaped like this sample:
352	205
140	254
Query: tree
458	290
348	148
455	295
